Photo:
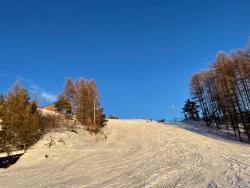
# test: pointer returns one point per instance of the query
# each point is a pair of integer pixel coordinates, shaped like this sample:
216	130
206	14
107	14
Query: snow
212	131
47	112
131	153
1	124
12	153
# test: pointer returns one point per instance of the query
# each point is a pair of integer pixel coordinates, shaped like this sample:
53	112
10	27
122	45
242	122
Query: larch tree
223	92
99	111
69	93
21	119
82	98
88	107
82	102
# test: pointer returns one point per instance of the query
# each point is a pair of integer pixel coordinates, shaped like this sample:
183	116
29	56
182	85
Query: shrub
50	121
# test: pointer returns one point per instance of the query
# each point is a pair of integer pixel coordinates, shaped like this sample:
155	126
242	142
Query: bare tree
223	92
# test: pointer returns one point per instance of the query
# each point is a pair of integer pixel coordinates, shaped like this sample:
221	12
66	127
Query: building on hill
49	107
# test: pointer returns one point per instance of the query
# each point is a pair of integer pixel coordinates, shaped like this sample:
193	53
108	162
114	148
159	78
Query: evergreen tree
63	106
190	110
1	99
1	104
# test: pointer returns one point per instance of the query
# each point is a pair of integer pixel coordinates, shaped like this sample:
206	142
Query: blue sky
141	53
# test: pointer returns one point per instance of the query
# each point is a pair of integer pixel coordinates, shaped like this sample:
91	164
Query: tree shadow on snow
209	132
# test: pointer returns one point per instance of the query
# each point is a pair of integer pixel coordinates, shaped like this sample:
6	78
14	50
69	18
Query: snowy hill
0	124
131	153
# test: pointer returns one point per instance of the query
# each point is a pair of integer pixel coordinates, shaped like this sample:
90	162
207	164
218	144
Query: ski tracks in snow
136	154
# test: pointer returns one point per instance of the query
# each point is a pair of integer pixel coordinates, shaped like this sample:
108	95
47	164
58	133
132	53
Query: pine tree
63	106
100	118
190	110
1	99
1	104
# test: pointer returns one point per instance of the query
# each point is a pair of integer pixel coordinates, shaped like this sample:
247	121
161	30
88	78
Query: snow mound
131	153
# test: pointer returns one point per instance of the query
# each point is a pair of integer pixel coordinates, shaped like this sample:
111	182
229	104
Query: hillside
135	154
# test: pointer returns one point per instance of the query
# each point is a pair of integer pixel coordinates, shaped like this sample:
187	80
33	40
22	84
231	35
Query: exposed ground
135	154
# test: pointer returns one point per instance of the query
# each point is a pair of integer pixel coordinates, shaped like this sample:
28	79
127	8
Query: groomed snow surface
136	153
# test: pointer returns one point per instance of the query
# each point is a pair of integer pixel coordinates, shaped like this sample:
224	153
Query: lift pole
94	123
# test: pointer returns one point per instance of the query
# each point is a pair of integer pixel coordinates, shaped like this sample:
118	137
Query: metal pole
94	109
173	111
94	123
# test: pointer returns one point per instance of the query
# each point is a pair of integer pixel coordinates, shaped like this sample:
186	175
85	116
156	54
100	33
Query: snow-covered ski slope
135	154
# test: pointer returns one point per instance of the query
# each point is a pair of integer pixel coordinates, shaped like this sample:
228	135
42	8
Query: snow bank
136	153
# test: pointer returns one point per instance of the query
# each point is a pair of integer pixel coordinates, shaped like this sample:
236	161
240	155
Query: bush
57	122
50	121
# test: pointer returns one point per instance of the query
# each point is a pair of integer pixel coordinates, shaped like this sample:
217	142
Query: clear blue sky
141	53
